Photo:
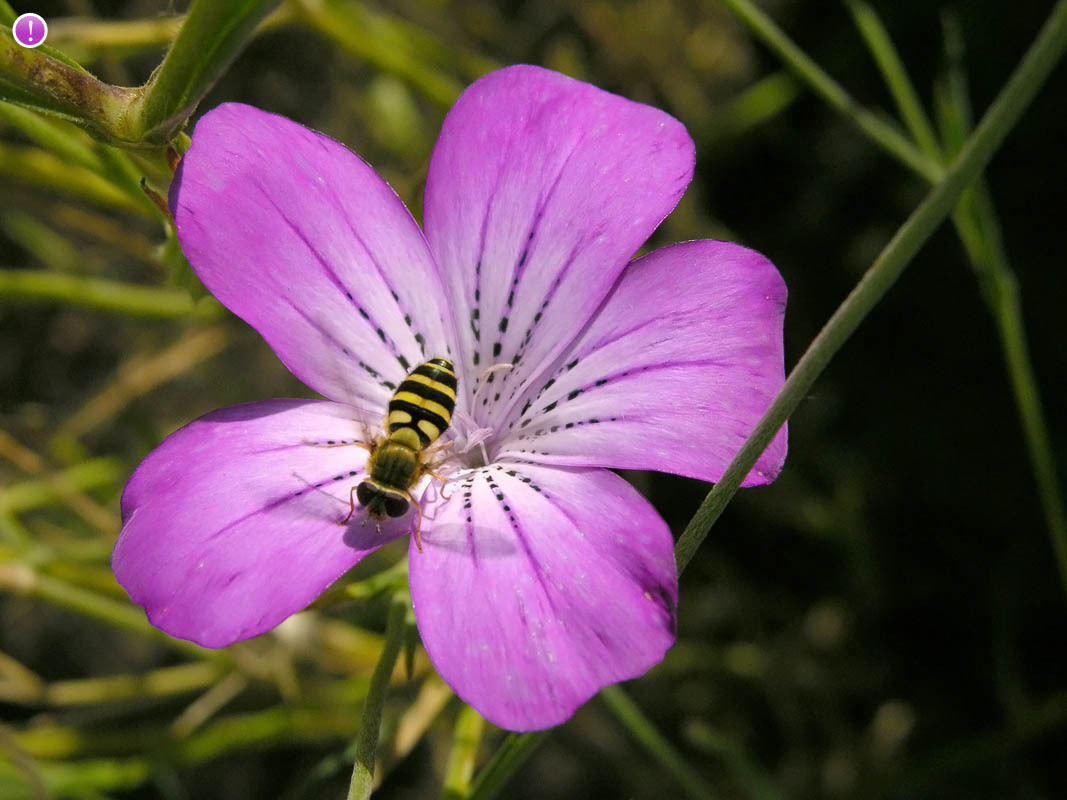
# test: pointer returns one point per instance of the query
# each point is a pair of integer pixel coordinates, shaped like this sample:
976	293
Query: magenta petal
231	524
300	238
539	191
672	375
539	586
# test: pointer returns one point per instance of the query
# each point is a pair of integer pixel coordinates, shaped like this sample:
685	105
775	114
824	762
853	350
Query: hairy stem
371	719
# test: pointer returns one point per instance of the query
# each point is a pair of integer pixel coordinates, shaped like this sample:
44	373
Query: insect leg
362	445
418	521
351	506
444	482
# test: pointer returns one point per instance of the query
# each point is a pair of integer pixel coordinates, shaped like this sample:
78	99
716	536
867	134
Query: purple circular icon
30	30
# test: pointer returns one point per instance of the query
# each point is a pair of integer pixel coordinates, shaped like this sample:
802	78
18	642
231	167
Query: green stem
747	773
328	714
1020	89
40	168
23	580
976	221
390	579
1007	312
998	121
895	75
882	131
214	33
27	495
466	741
104	295
39	80
371	719
111	36
160	682
758	103
92	778
511	755
642	729
49	134
386	41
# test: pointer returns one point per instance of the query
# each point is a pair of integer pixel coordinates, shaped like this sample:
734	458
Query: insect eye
365	493
396	506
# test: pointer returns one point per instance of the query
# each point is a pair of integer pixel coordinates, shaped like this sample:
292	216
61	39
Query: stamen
473	435
482	383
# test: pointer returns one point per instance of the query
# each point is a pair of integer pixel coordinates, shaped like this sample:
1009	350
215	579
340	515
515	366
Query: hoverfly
419	412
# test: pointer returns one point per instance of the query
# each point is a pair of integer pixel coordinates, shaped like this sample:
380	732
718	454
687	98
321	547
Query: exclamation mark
30	30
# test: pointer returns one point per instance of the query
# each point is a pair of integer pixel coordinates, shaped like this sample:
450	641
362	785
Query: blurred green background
884	621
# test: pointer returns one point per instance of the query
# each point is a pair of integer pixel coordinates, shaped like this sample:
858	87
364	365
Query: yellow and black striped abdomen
424	401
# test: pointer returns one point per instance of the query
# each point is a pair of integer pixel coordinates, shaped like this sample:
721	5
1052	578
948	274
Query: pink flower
544	576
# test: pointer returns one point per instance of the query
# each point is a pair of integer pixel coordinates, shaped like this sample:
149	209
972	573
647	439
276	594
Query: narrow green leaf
896	76
511	755
628	713
214	33
393	45
466	741
105	295
882	131
976	220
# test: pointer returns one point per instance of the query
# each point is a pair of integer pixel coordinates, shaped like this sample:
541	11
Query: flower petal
672	375
300	238
539	586
540	189
231	524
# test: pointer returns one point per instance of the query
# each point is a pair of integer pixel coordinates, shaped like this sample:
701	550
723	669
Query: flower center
473	445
